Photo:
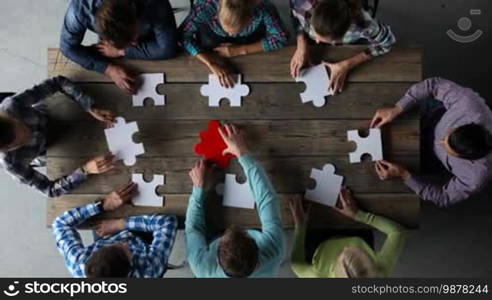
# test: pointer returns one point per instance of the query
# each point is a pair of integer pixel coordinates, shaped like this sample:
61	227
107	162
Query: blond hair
236	13
355	262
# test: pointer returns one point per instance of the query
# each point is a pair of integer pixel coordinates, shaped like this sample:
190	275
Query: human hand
120	196
300	212
338	75
105	116
234	139
228	50
110	227
124	79
198	174
100	164
106	49
299	60
348	206
384	116
219	69
388	170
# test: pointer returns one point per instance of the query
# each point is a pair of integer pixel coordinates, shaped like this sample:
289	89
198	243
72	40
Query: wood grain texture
288	174
400	65
403	208
273	138
266	102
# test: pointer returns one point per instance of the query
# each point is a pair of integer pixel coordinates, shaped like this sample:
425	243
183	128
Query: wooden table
287	137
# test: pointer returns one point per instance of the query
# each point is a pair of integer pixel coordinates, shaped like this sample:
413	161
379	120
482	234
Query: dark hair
471	141
238	253
332	18
108	262
7	132
116	21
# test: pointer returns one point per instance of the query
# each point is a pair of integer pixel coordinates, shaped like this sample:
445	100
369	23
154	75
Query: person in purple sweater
459	124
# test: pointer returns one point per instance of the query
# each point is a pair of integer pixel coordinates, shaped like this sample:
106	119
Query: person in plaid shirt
122	252
231	28
337	22
24	136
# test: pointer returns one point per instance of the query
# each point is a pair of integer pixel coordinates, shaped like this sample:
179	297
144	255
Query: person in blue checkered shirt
122	251
337	22
25	136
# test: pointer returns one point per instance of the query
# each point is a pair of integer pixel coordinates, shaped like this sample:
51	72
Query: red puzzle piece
212	145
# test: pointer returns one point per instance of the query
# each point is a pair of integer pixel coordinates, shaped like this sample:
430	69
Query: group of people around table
457	142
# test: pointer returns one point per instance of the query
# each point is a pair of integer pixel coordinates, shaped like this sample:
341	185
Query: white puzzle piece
215	92
372	145
147	191
317	82
328	186
120	141
236	194
148	89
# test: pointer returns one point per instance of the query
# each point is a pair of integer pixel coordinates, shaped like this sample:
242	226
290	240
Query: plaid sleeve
52	188
276	37
164	228
49	87
196	18
380	38
68	240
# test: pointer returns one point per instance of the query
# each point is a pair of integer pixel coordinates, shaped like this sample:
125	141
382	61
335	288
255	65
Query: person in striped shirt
337	22
228	28
124	250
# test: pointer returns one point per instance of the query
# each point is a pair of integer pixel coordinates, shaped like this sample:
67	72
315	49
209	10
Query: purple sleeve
443	195
448	92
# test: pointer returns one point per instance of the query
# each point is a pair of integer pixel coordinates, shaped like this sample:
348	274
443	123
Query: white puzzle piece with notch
215	92
147	191
236	194
372	145
148	89
317	82
328	186
120	141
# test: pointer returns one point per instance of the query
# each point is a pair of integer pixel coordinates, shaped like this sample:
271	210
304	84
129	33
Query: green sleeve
298	263
195	229
395	240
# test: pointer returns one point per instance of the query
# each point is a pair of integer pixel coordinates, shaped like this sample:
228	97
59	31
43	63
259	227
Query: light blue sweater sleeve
272	242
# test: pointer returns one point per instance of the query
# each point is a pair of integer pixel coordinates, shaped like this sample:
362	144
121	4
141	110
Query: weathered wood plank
266	102
288	174
400	65
403	208
278	138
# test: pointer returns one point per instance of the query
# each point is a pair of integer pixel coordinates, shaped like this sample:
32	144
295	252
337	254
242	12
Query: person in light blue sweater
238	252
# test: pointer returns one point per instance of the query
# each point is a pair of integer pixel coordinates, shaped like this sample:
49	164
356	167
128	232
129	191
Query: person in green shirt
238	252
346	257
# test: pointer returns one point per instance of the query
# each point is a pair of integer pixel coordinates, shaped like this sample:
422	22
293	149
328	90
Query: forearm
76	216
430	89
357	60
302	42
298	258
442	195
166	48
382	224
85	56
256	47
149	223
74	92
195	214
206	58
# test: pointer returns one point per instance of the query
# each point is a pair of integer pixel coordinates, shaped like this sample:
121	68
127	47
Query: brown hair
236	13
108	262
116	22
7	131
238	253
332	18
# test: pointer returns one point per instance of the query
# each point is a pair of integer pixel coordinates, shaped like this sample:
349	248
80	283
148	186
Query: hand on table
110	227
384	116
199	173
100	164
300	210
338	75
234	139
124	79
119	197
105	116
388	170
299	60
225	75
347	205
